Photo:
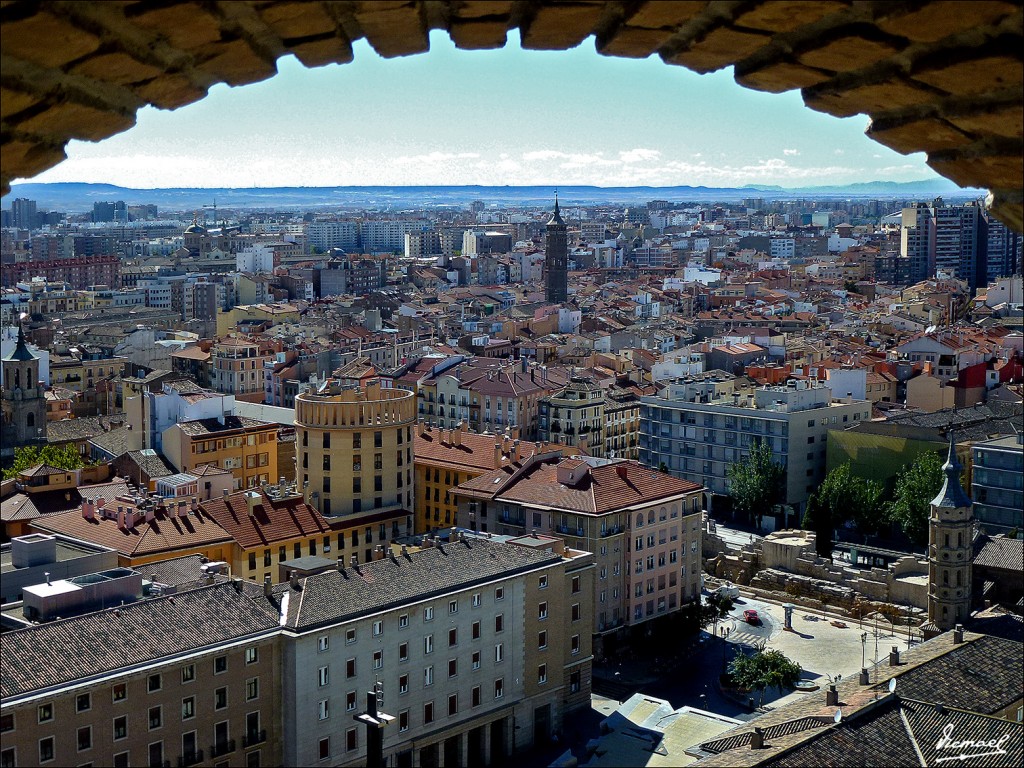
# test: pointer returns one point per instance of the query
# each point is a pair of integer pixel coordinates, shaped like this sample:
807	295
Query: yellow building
248	447
354	450
446	458
273	314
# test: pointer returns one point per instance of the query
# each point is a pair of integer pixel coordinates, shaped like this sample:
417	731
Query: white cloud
791	151
639	155
434	158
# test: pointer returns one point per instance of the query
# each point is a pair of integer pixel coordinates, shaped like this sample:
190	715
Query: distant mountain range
78	197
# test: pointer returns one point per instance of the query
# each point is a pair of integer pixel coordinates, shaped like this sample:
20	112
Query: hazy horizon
488	118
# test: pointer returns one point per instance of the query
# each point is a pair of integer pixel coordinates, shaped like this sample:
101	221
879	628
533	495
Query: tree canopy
756	482
765	669
842	497
916	486
61	457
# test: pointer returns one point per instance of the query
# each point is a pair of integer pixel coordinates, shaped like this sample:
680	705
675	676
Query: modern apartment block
481	647
643	526
997	484
697	437
354	449
184	679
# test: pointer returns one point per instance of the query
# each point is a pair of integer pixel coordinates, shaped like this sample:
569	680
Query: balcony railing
190	758
612	531
222	748
254	737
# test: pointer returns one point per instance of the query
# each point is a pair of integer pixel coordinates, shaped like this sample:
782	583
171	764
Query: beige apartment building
643	526
481	646
574	416
185	679
354	452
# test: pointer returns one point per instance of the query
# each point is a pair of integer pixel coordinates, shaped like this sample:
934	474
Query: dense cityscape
665	483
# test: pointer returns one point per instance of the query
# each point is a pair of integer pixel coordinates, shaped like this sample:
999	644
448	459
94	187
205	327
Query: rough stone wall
939	77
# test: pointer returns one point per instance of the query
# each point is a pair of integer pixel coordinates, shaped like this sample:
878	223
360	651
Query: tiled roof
152	464
984	676
213	426
271	521
601	490
382	584
81	428
63	651
162	534
181	572
475	451
29	506
1000	553
114	442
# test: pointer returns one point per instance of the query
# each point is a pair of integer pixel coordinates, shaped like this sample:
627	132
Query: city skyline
501	117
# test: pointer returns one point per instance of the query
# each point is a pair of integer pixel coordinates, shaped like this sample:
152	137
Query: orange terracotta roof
271	521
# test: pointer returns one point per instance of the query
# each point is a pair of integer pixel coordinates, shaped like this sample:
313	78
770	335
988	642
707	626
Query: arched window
650	517
640	520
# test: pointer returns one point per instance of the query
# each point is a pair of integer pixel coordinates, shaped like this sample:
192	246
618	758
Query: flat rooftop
66	550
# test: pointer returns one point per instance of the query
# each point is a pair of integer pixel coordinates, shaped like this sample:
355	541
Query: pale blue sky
489	117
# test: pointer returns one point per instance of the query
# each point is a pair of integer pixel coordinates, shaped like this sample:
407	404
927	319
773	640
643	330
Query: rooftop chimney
757	739
341	563
456	438
293	579
405	551
958	634
831	696
497	455
101	502
354	560
88	509
268	585
620	470
894	656
226	493
47	575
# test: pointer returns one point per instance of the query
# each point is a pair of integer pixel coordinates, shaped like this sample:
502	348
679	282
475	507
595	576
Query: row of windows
357	438
311	545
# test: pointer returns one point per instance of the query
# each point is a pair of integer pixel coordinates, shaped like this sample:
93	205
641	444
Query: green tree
757	482
763	670
916	486
818	518
61	457
843	496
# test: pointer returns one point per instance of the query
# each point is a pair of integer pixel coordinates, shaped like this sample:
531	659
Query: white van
728	590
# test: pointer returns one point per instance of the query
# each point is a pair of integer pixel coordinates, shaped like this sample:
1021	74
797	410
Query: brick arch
944	78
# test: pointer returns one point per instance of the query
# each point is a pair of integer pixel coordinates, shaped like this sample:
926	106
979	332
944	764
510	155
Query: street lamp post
863	649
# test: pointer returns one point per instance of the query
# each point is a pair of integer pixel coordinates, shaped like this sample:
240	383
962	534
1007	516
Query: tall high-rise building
917	244
1002	250
556	249
24	213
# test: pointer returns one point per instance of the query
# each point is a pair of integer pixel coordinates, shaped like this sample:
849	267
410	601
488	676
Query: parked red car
751	617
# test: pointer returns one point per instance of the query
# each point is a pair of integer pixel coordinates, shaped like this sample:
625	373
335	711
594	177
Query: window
428	644
453	606
574	644
220	698
120	692
453	667
6	723
46	749
45	713
542	582
542	610
576	612
323	643
499	622
403	652
453	704
476	630
403	621
499	652
153	684
475	696
428	713
220	665
188	708
350	701
499	593
403	684
476	659
325	748
453	637
403	720
350	636
120	728
252	561
252	655
84	738
350	668
476	600
323	709
542	640
542	673
428	675
83	702
252	689
378	628
574	682
428	613
499	688
378	659
575	584
323	676
155	717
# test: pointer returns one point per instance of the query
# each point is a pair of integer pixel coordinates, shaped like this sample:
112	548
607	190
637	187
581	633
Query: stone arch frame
944	77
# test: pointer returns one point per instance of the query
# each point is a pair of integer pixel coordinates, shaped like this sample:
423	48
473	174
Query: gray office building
997	483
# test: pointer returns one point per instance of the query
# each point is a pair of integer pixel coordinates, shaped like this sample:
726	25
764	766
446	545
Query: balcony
190	758
612	531
254	737
222	748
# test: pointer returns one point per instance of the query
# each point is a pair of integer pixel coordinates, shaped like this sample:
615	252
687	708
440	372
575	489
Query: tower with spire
556	256
950	550
24	399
